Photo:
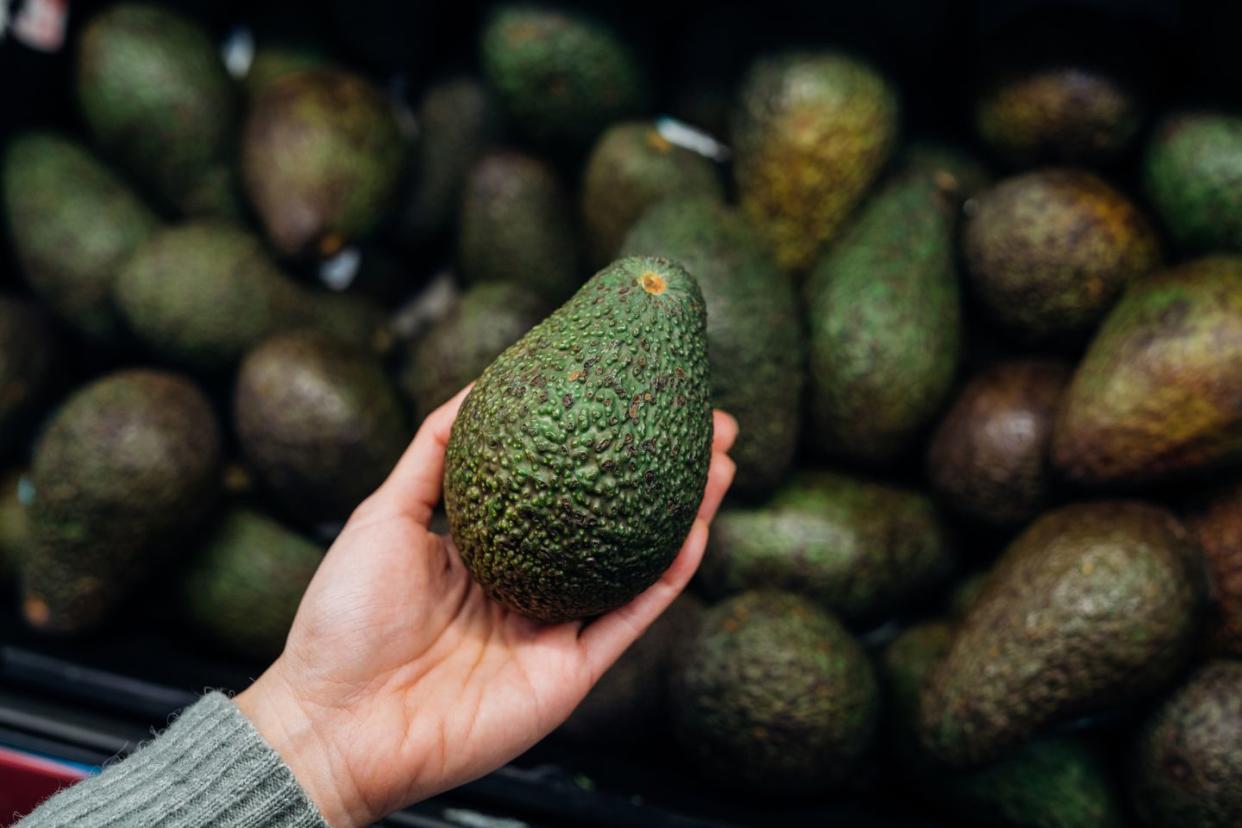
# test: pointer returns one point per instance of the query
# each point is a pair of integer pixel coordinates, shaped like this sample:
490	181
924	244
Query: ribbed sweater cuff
211	767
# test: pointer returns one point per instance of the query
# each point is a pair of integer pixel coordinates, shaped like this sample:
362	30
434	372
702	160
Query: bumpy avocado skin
321	157
156	97
1063	114
318	422
774	697
576	464
73	223
516	226
885	324
1188	769
756	345
632	167
1193	175
27	358
630	702
1094	605
243	585
126	467
1055	782
1156	395
988	458
457	120
954	169
858	548
561	77
1215	519
486	320
811	133
1050	251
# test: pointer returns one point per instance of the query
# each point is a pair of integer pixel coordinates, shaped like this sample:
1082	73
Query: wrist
302	737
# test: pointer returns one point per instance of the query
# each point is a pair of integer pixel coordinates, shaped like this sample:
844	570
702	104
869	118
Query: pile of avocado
982	553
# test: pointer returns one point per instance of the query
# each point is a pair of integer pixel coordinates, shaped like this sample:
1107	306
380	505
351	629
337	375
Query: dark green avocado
577	463
1193	172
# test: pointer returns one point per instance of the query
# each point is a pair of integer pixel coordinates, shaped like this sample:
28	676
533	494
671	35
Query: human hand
401	679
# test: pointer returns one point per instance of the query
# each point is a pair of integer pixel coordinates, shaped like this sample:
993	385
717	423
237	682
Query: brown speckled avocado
988	458
1048	252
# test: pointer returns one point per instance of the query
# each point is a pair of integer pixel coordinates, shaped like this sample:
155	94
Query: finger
418	476
604	639
724	430
719	478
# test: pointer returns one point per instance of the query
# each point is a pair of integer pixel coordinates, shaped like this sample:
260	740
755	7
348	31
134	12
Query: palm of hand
413	680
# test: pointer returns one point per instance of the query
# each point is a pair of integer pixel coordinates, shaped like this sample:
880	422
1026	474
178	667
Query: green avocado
516	226
73	223
486	320
1214	517
755	341
1066	113
245	581
560	76
124	471
322	157
1094	605
578	461
631	167
774	697
988	458
457	120
860	549
1193	173
318	422
1055	782
630	702
1050	251
1187	769
204	293
811	133
156	97
885	324
27	360
1158	393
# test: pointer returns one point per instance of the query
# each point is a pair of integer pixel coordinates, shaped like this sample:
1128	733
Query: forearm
211	767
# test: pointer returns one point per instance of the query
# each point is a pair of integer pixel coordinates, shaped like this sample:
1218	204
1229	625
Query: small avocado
244	583
755	340
457	120
988	458
631	167
885	320
1066	114
811	133
73	223
205	293
559	75
156	97
858	548
322	157
1094	605
774	697
27	357
630	702
1215	519
1054	782
516	226
577	463
486	320
1050	251
954	170
1193	174
319	423
124	471
1187	767
1158	393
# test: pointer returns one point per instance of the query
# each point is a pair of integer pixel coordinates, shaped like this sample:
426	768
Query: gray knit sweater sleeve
211	767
